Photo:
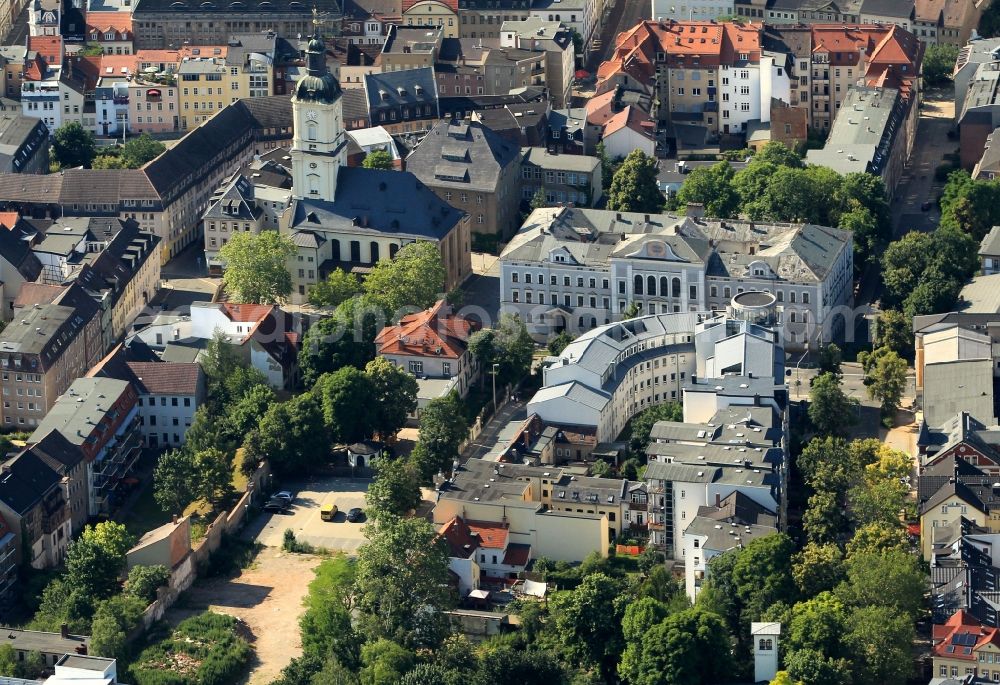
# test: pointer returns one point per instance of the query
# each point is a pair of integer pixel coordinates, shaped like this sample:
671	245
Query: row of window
163	402
553	280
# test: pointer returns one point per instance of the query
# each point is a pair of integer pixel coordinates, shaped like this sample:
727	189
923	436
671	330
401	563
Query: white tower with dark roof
319	141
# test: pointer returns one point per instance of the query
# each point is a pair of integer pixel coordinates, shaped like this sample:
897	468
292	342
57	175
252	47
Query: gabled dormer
560	255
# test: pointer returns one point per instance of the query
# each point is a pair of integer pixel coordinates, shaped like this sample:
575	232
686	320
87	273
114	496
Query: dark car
285	495
277	504
355	515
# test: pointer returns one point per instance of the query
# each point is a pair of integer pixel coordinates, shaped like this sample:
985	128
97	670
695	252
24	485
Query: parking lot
304	520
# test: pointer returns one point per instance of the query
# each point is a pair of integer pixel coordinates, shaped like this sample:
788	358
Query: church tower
319	142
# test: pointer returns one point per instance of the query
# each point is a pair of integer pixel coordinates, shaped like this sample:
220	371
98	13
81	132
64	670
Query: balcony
120	99
654	526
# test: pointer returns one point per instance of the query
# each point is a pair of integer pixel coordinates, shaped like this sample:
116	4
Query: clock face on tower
311	114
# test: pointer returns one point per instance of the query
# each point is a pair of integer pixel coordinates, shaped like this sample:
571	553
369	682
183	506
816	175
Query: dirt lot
268	596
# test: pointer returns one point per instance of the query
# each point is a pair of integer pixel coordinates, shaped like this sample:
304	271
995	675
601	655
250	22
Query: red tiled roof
433	332
102	21
49	47
251	313
9	219
491	535
167	378
35	69
517	554
633	118
459	537
962	636
37	293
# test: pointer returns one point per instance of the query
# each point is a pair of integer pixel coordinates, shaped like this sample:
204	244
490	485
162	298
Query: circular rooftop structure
754	299
754	306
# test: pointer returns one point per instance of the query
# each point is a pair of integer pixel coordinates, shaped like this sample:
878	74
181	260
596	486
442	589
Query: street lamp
493	373
798	380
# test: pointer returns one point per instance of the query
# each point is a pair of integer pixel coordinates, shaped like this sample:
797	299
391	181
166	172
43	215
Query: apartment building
575	268
112	31
964	574
169	393
18	265
168	196
100	416
556	41
13	60
431	13
872	133
585	17
241	205
159	24
42	351
963	648
33	504
401	101
485	18
474	170
573	179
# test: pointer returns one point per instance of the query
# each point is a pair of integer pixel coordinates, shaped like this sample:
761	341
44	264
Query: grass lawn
145	514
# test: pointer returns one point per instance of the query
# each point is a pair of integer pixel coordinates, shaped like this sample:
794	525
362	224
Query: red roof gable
491	535
459	537
48	47
433	332
961	635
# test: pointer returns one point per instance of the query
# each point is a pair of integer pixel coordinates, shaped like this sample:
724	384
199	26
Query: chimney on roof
695	210
64	630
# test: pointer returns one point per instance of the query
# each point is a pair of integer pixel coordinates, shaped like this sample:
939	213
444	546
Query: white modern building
576	268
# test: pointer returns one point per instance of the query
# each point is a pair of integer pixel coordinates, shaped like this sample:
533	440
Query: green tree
507	666
588	622
818	623
712	187
818	568
869	241
557	343
869	574
779	154
971	207
894	331
823	520
443	427
173	488
143	581
508	345
751	183
691	647
402	583
939	63
395	490
94	562
345	339
784	678
875	538
378	159
608	166
830	410
338	287
347	398
639	616
326	624
291	436
813	667
106	161
140	150
642	424
256	267
800	195
394	397
384	662
634	187
762	575
73	145
113	620
538	200
881	644
885	378
415	277
213	475
830	359
903	264
8	662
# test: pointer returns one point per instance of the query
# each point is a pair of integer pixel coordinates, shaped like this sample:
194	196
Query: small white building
765	650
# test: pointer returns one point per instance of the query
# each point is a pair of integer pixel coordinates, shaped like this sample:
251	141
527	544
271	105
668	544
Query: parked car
355	515
285	495
327	512
277	504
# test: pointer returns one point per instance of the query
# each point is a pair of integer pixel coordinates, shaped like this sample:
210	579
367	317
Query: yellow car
328	511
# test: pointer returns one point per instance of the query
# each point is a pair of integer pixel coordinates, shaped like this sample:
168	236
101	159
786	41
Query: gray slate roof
469	151
377	202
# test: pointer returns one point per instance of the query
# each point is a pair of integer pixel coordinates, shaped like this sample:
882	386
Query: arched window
355	251
664	290
335	249
393	249
676	287
638	285
374	251
311	130
650	285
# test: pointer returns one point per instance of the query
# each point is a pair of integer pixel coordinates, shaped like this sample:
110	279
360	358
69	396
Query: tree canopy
414	278
256	267
634	187
378	159
73	145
